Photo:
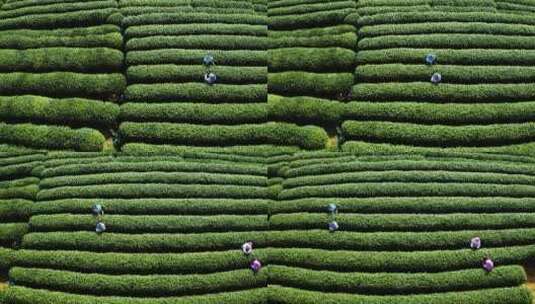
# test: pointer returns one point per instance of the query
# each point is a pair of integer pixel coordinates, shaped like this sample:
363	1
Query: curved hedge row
154	177
313	32
345	40
480	165
107	263
62	84
42	40
150	206
196	92
447	27
446	92
139	286
395	261
227	240
26	192
511	295
439	135
222	42
448	56
195	73
305	8
450	73
305	83
314	19
15	210
189	18
69	19
448	114
304	109
206	262
141	243
156	191
147	166
408	189
403	222
394	283
437	16
195	29
448	41
252	150
195	113
307	137
57	8
151	224
409	176
71	111
24	295
51	137
182	56
61	59
311	59
366	148
436	205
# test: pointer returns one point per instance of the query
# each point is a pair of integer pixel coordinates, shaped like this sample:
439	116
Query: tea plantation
267	151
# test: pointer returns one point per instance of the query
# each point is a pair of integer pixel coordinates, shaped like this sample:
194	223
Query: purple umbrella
256	265
488	264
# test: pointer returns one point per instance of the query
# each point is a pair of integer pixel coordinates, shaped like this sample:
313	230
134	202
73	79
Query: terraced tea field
267	151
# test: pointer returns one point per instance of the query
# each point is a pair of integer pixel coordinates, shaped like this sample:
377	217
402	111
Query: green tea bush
456	41
222	42
51	137
69	111
428	113
195	113
62	84
151	224
450	73
195	29
311	84
311	59
308	137
154	177
195	73
453	93
182	56
61	59
156	191
196	92
140	286
439	135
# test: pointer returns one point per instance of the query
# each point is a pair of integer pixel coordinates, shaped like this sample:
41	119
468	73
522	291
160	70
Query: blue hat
208	59
431	58
97	210
332	208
